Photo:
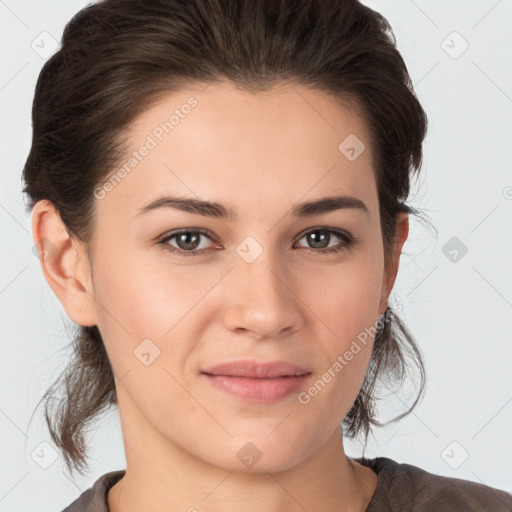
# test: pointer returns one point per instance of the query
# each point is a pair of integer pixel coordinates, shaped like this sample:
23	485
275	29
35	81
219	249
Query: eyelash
346	237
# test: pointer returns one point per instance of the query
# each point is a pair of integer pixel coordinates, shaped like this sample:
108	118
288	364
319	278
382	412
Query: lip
257	382
255	370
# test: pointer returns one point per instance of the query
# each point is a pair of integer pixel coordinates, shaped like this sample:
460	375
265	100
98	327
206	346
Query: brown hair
119	56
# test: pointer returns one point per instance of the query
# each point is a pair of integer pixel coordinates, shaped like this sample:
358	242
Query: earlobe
64	264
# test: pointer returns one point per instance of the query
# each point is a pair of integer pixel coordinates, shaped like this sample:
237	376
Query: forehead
286	144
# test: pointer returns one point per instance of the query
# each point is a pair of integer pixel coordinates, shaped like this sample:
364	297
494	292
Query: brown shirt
401	488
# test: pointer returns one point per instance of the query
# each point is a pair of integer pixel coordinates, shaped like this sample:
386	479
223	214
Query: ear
65	264
401	234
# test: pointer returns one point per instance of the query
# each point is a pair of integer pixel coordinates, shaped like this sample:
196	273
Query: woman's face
259	286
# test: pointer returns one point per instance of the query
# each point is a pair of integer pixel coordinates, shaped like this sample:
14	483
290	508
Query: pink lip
257	382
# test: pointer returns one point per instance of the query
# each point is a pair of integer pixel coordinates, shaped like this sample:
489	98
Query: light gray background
459	311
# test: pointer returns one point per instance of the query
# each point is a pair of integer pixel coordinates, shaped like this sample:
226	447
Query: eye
188	240
320	238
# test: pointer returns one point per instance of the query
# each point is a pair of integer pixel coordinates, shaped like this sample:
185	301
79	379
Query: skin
260	154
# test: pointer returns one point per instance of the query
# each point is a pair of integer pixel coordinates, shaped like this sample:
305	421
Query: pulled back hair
117	57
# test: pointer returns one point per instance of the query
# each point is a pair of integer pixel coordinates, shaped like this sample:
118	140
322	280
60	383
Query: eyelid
171	234
348	241
340	233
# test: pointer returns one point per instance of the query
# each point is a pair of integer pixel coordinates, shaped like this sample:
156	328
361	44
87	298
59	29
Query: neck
161	475
179	481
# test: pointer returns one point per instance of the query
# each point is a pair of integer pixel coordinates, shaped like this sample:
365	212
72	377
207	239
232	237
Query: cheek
345	302
128	306
140	297
346	297
135	293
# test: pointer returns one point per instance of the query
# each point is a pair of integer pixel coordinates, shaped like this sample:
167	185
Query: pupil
187	244
323	237
317	239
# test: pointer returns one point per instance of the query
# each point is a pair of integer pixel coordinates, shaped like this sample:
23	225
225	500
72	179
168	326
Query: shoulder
94	499
403	486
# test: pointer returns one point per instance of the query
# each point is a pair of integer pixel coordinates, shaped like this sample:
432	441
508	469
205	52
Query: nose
263	298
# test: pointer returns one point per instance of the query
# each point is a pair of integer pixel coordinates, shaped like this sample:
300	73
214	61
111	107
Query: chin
258	456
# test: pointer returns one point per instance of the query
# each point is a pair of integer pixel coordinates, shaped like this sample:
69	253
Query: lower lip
258	390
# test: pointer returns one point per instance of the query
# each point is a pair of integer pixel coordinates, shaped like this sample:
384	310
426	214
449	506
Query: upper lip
256	370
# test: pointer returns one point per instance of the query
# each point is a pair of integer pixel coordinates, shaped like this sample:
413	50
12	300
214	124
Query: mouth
257	382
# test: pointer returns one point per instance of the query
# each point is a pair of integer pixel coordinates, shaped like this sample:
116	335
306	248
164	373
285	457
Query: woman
218	195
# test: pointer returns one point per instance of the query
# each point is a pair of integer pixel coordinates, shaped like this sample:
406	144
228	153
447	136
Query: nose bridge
258	268
265	303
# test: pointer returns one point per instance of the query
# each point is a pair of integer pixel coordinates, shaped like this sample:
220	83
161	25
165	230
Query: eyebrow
219	211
